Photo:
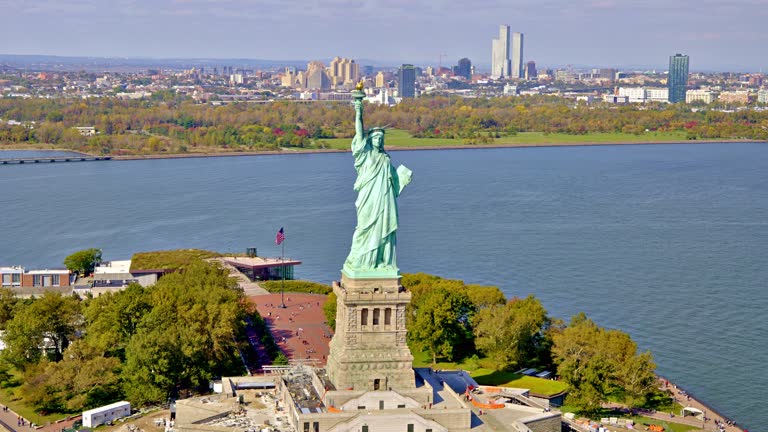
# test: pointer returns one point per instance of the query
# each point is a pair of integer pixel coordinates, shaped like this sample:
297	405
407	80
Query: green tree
189	335
329	310
113	318
441	323
582	363
84	261
595	363
512	335
8	303
48	324
83	379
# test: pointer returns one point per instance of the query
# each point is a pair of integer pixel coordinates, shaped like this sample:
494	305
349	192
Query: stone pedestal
368	350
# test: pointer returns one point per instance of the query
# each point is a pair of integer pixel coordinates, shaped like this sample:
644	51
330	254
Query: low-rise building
762	96
25	283
615	99
17	276
86	130
703	95
105	414
738	96
644	94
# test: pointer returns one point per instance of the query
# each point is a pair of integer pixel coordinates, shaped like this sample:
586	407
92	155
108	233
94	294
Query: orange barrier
333	409
491	389
656	428
487	405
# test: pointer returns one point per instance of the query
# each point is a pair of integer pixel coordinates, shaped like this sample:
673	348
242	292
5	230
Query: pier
52	159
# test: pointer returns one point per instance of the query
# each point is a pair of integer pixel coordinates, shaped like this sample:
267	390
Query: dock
53	159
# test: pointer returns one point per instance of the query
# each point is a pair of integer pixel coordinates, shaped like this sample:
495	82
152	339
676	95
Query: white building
762	96
105	414
510	90
706	96
113	267
507	54
656	94
500	54
633	94
615	99
644	94
517	56
85	130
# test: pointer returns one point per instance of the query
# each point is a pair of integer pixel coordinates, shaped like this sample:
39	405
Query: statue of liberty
378	185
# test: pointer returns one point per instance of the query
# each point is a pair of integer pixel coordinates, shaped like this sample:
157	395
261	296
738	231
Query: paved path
249	287
9	420
685	399
299	329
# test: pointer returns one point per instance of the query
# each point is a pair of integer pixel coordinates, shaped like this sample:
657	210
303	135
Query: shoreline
419	148
685	398
289	151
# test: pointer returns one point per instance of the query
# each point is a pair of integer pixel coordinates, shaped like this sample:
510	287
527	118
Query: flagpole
282	272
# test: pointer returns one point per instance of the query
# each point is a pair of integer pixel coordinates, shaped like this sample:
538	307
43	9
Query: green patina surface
378	186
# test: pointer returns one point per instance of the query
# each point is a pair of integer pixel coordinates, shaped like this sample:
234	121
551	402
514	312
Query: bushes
298	286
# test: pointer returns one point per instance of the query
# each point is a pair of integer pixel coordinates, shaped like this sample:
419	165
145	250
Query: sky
723	35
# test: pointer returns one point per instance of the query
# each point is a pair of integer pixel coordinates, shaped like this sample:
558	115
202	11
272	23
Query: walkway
249	287
299	329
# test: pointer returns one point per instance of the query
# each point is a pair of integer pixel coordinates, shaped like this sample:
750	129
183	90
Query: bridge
52	159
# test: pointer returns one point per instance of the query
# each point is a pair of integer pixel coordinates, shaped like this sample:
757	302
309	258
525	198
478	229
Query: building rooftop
46	271
299	383
259	262
123	266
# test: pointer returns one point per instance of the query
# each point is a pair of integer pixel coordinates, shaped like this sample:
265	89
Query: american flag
280	237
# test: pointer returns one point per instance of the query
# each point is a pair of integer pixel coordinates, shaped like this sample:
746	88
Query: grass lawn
299	286
423	359
486	376
668	426
401	138
540	138
9	398
170	259
394	138
539	386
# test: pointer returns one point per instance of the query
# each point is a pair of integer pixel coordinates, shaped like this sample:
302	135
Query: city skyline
717	36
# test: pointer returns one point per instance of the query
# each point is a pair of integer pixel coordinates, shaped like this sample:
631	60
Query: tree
441	323
83	379
595	362
512	335
113	318
84	261
329	310
53	317
8	302
188	336
582	364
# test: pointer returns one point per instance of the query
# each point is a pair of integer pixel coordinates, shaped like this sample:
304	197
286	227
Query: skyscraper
677	80
464	68
406	81
507	55
517	56
530	70
500	54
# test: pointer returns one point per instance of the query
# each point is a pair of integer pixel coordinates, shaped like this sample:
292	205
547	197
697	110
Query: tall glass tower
677	80
406	81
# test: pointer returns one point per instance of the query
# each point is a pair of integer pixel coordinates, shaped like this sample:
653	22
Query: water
666	242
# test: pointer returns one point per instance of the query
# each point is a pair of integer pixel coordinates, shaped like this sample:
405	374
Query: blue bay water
666	242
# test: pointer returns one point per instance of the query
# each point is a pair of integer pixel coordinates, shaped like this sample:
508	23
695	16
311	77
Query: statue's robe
377	185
